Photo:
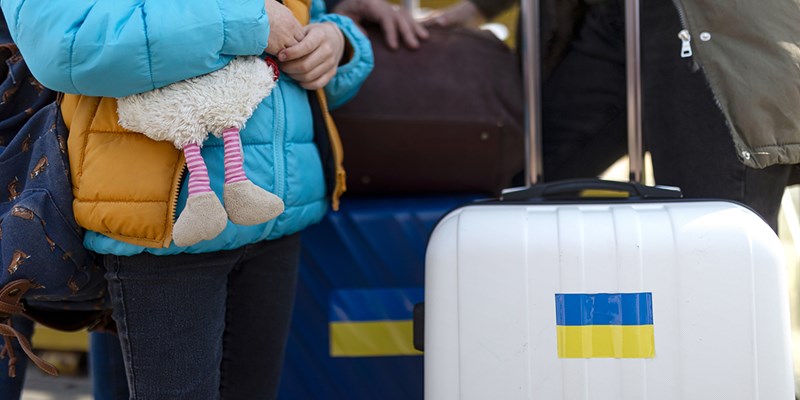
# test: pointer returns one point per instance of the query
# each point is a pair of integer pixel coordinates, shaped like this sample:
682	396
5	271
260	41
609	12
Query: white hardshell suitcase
546	295
714	269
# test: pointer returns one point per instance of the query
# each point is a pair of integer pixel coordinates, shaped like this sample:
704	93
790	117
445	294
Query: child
208	320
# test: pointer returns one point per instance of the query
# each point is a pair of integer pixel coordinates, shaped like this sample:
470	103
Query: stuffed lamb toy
184	113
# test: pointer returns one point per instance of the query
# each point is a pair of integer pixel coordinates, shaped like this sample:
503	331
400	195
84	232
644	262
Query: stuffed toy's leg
204	217
246	203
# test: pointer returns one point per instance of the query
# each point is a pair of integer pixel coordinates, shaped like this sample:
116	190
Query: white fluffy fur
185	112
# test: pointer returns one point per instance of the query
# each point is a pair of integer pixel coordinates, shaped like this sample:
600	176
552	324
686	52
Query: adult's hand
395	22
463	13
313	61
284	29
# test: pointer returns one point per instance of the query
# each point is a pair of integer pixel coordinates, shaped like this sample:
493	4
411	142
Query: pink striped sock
233	156
198	174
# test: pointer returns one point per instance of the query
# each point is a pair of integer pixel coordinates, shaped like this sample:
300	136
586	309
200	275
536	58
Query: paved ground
40	386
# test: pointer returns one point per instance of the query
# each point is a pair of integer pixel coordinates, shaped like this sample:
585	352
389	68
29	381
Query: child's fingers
300	34
313	73
320	82
304	64
304	47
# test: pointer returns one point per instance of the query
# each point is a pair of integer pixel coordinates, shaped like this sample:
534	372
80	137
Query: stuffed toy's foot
248	204
202	219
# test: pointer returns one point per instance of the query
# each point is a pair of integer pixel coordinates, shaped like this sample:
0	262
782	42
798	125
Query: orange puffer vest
108	162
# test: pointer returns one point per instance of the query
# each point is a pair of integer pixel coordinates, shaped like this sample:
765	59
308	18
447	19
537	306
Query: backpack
45	272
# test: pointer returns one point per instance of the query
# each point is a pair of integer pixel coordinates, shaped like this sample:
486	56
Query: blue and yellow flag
605	325
373	322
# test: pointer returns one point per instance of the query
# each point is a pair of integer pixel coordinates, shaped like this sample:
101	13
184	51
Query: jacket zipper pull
686	43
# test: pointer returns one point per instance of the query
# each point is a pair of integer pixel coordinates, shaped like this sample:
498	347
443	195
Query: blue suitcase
361	272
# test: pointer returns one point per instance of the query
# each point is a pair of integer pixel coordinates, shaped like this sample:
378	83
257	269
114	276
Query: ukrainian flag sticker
605	325
373	322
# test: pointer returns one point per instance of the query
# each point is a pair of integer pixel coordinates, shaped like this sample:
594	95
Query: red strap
272	63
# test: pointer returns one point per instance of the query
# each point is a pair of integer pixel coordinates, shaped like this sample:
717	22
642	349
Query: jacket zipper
278	139
278	142
173	207
684	35
686	43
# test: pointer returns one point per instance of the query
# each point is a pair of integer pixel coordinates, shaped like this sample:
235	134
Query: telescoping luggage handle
572	186
531	61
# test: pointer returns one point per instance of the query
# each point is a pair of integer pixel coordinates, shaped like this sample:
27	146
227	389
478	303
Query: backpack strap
10	297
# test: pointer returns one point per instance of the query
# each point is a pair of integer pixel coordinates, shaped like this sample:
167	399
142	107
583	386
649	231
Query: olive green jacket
750	53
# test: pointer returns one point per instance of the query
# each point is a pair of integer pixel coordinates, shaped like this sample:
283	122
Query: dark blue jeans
106	367
584	113
11	388
205	326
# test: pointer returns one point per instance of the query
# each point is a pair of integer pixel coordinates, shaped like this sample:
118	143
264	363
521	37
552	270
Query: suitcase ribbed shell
715	272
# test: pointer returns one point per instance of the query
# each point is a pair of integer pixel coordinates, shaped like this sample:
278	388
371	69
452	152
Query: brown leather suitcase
445	118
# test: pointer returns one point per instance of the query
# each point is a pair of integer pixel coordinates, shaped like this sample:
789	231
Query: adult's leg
261	292
11	388
170	315
583	101
687	134
107	367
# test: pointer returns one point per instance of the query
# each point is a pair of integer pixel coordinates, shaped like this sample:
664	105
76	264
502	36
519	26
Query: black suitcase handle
634	190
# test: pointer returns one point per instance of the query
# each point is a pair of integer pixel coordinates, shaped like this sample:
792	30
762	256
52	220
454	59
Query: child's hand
284	29
313	61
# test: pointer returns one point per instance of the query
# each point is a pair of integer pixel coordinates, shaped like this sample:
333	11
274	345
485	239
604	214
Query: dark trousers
107	368
584	113
205	326
11	388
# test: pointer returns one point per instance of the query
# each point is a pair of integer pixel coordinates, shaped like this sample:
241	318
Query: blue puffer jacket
115	48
